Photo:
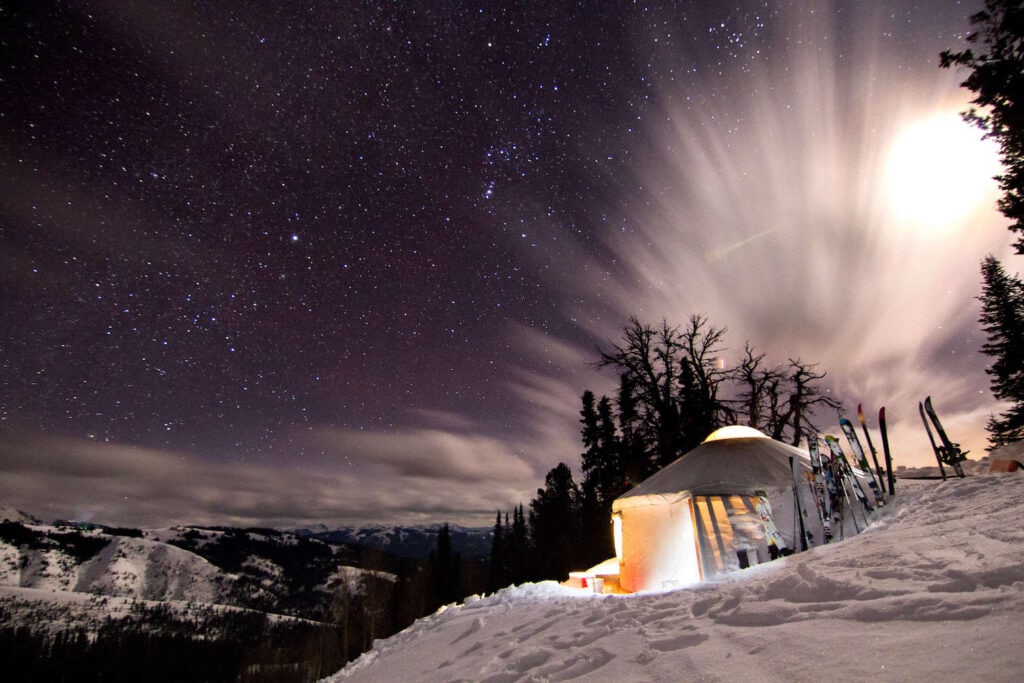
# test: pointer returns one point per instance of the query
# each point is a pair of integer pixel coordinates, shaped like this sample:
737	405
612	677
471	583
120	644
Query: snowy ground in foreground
933	589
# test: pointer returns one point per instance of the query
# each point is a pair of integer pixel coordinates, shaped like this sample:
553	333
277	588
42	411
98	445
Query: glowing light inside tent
734	432
939	171
617	531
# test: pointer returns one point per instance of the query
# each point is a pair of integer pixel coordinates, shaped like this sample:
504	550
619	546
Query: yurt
737	500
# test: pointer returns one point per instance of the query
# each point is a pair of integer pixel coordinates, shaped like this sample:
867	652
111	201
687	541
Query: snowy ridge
935	587
352	578
14	515
124	567
152	565
135	567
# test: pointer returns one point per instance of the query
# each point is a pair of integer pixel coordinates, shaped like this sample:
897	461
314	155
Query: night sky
339	262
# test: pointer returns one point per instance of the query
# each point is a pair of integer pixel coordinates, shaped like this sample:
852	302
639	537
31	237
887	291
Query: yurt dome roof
738	461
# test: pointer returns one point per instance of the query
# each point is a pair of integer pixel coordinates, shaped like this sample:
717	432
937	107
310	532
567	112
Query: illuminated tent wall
698	516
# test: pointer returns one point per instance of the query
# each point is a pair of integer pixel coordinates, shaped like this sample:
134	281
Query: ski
776	545
885	447
935	447
951	453
862	461
838	489
846	473
801	531
821	496
871	446
837	498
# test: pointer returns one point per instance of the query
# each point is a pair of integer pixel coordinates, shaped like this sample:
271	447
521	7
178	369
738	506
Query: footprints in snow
678	642
893	593
557	653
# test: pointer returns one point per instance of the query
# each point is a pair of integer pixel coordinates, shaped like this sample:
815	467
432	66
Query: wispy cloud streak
771	213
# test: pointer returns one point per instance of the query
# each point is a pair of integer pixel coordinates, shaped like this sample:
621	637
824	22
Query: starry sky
340	262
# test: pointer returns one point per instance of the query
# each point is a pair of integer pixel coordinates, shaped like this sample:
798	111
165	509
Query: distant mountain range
259	569
276	600
283	572
415	542
239	600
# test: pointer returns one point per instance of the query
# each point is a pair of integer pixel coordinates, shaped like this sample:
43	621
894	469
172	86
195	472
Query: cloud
470	460
781	179
413	476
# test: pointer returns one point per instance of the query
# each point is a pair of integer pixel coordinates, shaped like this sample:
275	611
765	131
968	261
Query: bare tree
702	377
760	385
805	396
674	377
647	362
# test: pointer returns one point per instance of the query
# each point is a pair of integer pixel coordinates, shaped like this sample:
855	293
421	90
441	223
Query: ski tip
881	413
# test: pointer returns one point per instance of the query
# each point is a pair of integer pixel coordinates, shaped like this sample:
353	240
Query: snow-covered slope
261	569
136	567
10	514
933	590
124	567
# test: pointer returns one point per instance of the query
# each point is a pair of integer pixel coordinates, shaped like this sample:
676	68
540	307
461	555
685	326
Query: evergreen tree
603	479
997	80
602	460
497	576
1002	319
636	461
507	558
554	524
520	569
447	578
588	416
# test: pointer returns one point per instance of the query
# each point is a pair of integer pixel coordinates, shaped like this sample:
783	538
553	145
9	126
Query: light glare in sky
940	172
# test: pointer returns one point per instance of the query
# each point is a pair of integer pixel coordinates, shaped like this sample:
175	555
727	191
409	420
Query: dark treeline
994	65
1002	320
674	390
155	643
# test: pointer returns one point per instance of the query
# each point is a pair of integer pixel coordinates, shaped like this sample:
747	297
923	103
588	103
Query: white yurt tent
720	507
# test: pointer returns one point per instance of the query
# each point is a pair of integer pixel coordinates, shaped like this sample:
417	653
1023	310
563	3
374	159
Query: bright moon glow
940	171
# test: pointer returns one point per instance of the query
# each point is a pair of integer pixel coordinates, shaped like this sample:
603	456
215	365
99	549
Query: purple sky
340	263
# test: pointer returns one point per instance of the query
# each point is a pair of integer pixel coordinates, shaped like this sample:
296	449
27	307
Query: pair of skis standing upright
948	453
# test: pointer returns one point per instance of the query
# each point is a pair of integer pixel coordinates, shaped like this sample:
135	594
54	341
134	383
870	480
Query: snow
933	588
10	514
352	578
125	567
150	570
